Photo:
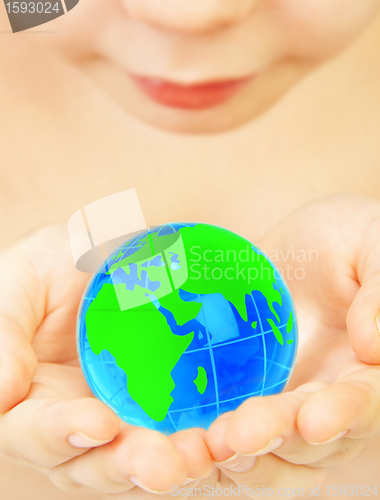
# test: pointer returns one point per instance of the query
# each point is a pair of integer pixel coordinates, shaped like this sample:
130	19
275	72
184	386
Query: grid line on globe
169	347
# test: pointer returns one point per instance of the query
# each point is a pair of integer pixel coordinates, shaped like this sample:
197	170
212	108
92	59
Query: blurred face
203	66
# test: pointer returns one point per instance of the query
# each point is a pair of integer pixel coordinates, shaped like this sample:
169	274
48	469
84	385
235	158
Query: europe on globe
184	322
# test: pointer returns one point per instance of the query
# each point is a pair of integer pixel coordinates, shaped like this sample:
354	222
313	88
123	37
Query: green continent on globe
243	268
201	380
276	331
143	346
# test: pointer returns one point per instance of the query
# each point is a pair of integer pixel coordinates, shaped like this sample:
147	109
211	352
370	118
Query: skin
86	133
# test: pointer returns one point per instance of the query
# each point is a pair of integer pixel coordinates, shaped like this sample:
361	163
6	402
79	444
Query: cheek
80	29
321	27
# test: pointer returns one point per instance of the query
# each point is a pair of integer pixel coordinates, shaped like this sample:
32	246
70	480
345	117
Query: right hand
49	418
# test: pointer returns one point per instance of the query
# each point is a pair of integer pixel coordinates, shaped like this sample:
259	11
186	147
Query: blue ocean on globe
183	323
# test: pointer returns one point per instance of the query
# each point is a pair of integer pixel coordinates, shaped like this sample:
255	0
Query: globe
184	322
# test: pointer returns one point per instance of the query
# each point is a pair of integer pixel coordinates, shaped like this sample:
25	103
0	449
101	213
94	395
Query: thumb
363	319
18	318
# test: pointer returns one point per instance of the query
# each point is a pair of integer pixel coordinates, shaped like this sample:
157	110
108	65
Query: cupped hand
329	252
48	417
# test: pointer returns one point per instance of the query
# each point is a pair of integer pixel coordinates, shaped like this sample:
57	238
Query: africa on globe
184	322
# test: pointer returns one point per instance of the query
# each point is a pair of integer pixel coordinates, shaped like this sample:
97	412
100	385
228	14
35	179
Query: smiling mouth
191	97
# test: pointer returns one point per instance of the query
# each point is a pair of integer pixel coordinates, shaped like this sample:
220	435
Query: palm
54	339
68	381
322	297
322	352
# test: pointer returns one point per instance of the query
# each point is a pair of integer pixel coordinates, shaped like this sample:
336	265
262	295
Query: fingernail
135	480
238	463
273	445
334	438
79	440
378	322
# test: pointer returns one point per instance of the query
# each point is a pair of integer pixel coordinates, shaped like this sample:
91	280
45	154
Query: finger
259	426
269	425
352	405
363	319
190	443
18	364
137	457
48	432
199	489
21	310
270	473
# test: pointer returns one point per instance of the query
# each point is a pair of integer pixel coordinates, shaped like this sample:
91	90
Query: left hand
49	419
331	406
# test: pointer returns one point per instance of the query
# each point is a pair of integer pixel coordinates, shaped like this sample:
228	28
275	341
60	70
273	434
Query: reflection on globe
183	323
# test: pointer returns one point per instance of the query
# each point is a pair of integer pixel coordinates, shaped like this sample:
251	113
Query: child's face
159	57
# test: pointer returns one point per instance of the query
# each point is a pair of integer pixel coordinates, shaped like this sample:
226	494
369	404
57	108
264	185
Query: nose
189	15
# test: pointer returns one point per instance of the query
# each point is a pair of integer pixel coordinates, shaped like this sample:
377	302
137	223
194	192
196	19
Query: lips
190	97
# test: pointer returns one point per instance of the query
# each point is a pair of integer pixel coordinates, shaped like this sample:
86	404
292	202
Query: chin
212	121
